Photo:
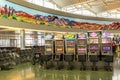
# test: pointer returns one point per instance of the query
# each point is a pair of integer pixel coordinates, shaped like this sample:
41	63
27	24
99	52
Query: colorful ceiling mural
27	15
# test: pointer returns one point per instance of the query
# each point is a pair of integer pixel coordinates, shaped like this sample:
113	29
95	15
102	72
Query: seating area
10	57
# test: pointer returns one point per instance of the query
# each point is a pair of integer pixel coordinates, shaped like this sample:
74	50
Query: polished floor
26	71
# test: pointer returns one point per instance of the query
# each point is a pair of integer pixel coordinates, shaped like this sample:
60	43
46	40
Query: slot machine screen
106	48
94	47
48	49
48	42
94	34
81	42
106	40
70	36
93	41
59	49
106	34
82	50
70	49
48	36
58	36
59	42
82	36
70	42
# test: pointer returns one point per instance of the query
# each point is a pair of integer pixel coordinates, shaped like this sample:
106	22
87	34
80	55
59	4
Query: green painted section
27	71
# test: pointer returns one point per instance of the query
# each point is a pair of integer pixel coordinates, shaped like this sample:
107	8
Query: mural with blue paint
14	11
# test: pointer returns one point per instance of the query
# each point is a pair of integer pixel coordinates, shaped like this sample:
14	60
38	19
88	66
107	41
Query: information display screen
106	48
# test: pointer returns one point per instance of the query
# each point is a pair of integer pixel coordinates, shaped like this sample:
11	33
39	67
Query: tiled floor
27	71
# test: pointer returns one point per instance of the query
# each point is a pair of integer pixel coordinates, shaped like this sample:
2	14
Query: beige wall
35	27
23	25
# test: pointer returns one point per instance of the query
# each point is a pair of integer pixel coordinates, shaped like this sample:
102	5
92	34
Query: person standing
113	47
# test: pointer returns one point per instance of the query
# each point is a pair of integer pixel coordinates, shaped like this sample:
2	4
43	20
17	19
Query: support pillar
35	38
22	39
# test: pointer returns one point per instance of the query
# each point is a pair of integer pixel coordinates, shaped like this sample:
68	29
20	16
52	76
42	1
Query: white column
22	39
35	38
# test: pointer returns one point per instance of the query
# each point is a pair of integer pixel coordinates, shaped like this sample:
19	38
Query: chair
94	59
82	59
108	59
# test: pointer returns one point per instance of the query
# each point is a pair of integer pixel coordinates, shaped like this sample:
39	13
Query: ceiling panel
96	7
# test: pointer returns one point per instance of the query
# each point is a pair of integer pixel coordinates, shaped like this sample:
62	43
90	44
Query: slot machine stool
42	59
36	58
58	58
69	58
94	59
108	59
82	59
46	59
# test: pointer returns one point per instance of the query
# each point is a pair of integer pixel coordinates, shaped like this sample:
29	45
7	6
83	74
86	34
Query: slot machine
59	48
70	48
81	49
106	49
48	47
94	47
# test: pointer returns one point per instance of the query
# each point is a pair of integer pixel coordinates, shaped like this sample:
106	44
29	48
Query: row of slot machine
90	43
